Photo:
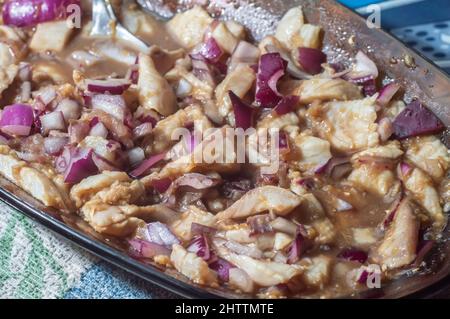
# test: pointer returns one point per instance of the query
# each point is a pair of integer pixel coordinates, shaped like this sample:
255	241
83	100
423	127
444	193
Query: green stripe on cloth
36	263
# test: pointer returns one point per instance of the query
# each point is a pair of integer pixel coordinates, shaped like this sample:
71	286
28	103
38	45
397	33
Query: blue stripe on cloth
103	281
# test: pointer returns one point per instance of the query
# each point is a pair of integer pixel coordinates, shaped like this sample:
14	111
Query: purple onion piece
160	234
286	105
81	165
200	246
222	267
260	224
271	68
416	120
161	185
387	93
243	112
22	13
298	246
147	164
311	60
199	229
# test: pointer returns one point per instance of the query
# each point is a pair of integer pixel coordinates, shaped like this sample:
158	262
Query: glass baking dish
345	34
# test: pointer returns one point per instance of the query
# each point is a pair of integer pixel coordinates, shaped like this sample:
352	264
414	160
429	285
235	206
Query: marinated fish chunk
273	199
33	181
327	90
348	126
163	133
315	152
122	220
90	186
423	191
317	273
429	154
389	151
399	245
188	27
264	273
289	26
375	179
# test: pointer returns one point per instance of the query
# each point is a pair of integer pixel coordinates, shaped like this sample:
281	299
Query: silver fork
105	23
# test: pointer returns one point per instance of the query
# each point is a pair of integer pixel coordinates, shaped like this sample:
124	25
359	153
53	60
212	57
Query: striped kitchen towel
36	263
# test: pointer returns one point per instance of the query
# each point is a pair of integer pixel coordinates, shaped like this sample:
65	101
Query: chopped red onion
297	247
416	120
24	73
292	69
99	129
135	156
111	86
311	60
352	254
63	160
133	74
200	246
70	109
342	205
321	168
161	185
243	112
369	87
147	164
271	68
203	72
222	267
112	104
160	234
152	119
52	121
46	95
25	91
81	165
143	249
387	93
240	279
54	145
17	119
286	105
392	211
184	88
199	229
283	144
24	13
405	169
363	68
211	51
338	167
